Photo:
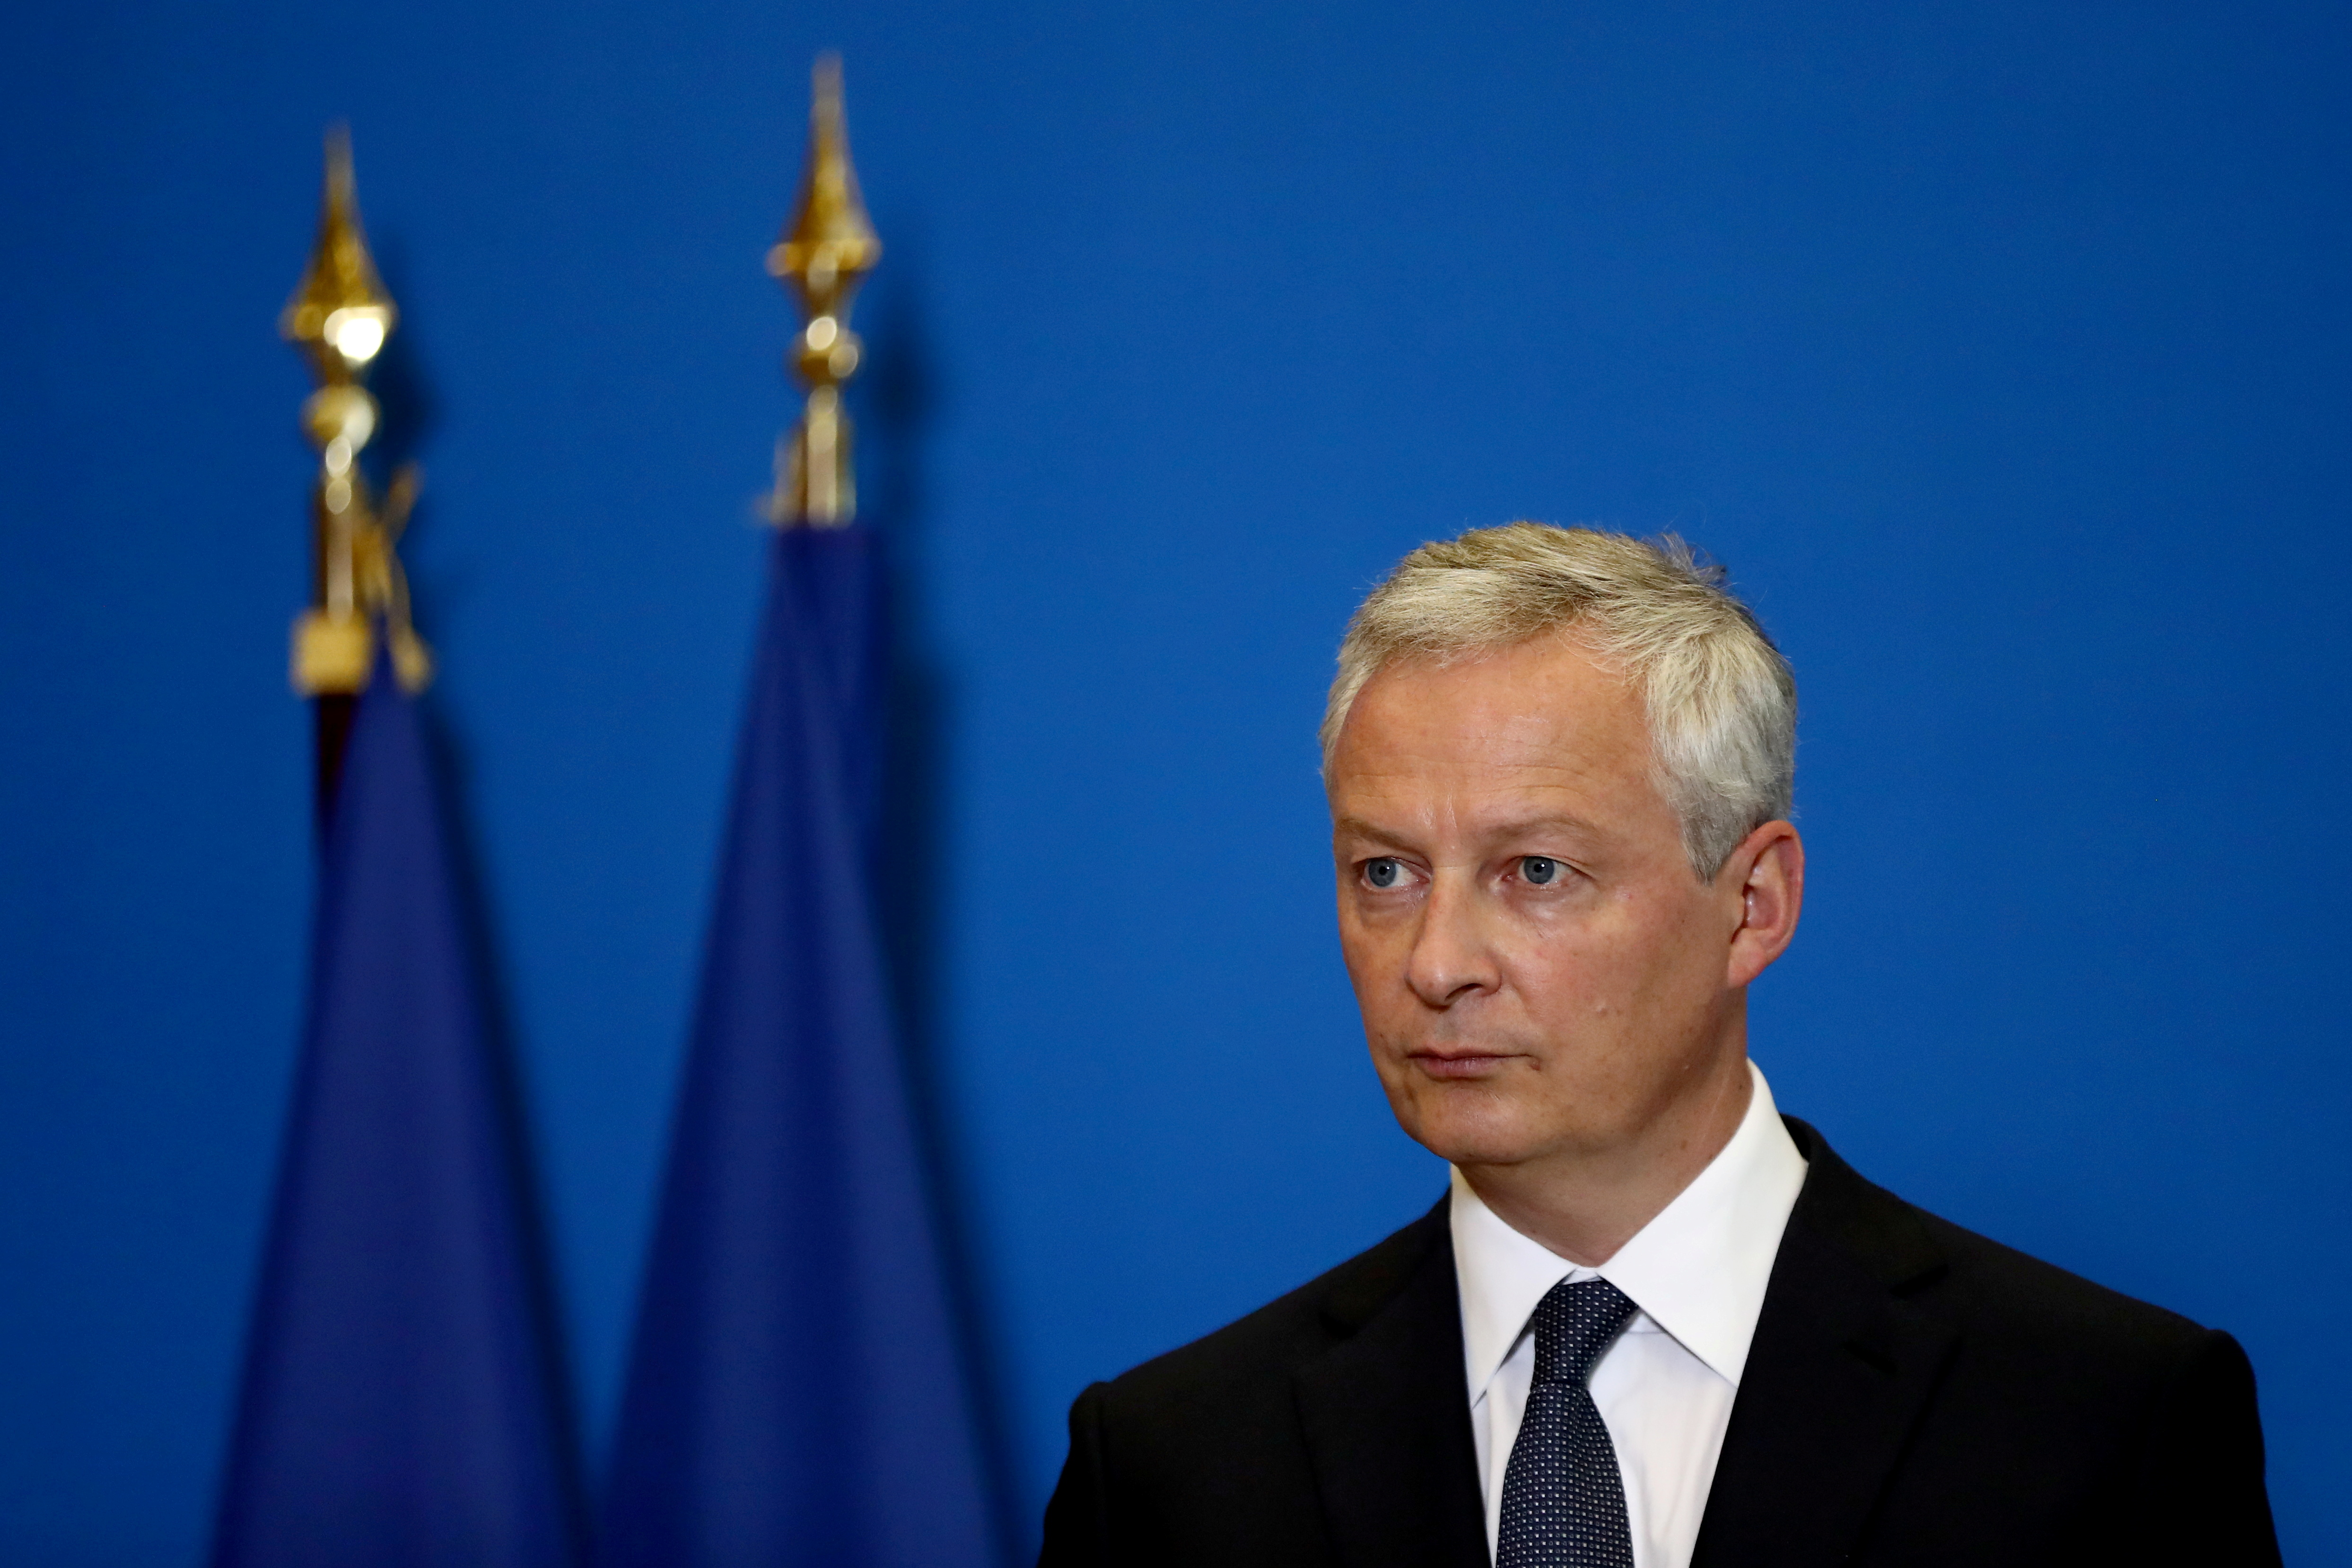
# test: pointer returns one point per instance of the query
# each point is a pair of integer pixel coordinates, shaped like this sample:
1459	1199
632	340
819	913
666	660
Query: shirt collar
1698	1270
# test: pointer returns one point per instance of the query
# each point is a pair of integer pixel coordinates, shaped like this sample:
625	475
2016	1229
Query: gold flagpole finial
339	317
826	250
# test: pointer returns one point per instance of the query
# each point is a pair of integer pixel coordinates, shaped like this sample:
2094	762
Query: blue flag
795	1393
400	1406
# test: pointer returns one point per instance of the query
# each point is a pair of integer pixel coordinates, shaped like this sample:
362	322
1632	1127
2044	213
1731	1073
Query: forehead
1543	718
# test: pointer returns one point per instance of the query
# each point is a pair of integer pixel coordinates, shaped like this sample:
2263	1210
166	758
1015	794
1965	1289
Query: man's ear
1769	869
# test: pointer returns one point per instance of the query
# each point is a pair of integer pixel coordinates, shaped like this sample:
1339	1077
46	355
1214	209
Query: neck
1585	1203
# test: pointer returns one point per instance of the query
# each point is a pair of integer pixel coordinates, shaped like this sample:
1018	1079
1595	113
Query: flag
401	1406
796	1391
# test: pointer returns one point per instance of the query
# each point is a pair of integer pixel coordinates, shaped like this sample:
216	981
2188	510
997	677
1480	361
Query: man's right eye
1382	872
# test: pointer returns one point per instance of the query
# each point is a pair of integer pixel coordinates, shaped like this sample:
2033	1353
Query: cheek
1580	970
1352	947
1367	948
1385	1004
1608	966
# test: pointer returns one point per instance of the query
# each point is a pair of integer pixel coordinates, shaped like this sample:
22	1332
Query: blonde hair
1720	701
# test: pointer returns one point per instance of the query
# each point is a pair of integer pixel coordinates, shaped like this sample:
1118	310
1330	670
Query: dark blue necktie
1563	1500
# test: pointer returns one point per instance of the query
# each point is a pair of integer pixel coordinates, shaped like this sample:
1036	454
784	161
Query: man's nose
1451	957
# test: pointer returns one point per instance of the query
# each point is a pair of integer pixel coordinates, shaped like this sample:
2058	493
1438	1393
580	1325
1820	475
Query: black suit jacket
1915	1394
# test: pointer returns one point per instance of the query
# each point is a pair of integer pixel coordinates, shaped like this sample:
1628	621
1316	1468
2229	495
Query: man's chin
1465	1123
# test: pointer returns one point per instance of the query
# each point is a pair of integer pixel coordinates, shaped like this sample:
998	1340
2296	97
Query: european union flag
400	1406
795	1393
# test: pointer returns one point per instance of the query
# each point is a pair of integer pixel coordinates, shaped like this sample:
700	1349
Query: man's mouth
1465	1063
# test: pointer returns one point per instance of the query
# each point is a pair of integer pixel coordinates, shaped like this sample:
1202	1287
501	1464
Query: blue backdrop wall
1999	349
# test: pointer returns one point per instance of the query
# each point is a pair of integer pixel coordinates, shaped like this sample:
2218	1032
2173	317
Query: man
1653	1323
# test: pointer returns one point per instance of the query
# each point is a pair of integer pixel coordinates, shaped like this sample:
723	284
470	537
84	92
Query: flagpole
339	317
402	1401
797	1389
824	252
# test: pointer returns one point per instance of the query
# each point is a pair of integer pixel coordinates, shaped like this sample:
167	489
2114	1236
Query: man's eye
1539	869
1382	872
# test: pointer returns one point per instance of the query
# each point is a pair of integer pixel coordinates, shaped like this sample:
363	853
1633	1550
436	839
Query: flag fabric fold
400	1403
795	1392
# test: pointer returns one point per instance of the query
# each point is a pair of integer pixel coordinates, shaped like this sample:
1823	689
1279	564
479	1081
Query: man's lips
1457	1064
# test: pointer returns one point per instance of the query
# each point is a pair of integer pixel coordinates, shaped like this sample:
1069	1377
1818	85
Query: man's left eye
1539	869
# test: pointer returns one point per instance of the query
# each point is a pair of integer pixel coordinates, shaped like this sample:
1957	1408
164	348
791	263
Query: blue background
2000	350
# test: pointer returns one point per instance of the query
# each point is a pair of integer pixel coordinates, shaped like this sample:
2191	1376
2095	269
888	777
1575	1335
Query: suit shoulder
1276	1339
2009	1291
1995	1287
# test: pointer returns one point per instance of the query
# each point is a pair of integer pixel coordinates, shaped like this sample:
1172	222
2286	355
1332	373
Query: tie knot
1574	1323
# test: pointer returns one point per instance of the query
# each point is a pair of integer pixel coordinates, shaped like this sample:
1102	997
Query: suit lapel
1842	1367
1387	1417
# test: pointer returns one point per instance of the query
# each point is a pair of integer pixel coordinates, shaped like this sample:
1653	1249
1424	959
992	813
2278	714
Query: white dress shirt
1698	1274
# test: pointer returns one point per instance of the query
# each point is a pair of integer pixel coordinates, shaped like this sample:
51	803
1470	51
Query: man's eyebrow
1357	827
1546	821
1515	828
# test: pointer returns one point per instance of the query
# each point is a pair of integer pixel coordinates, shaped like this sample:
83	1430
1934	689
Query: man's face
1539	969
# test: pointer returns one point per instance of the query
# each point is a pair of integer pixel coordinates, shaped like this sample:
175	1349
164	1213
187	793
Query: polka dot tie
1563	1500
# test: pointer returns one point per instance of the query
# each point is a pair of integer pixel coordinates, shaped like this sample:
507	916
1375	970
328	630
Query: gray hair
1720	699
